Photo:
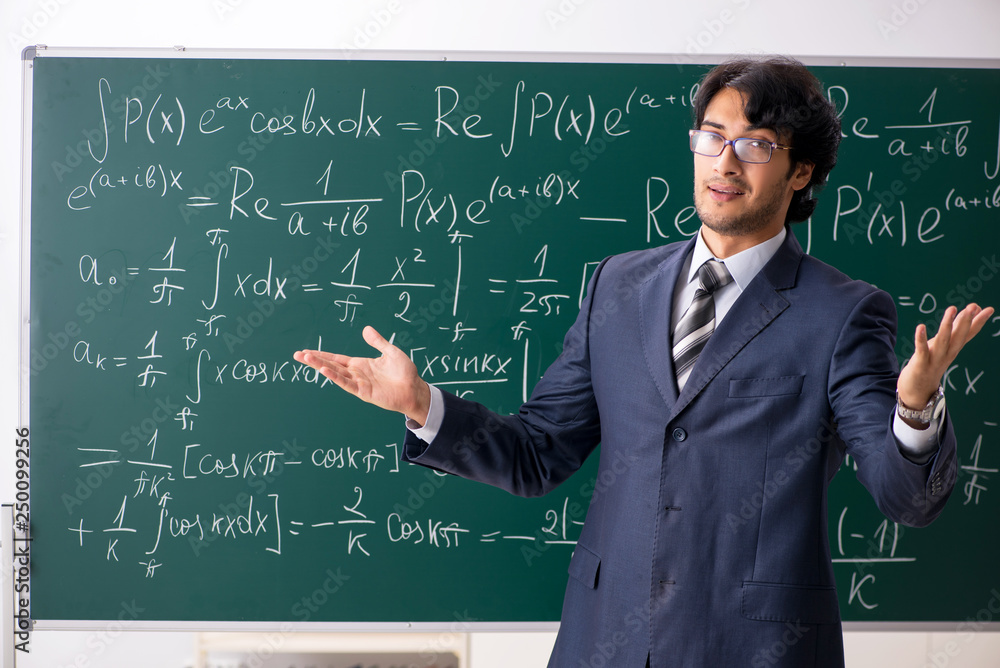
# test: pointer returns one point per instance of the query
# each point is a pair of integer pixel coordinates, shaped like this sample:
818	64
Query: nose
727	163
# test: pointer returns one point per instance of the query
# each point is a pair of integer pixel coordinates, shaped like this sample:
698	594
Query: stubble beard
754	219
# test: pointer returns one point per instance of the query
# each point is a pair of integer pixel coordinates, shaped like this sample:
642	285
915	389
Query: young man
761	369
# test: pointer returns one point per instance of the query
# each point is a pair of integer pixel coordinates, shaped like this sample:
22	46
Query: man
760	370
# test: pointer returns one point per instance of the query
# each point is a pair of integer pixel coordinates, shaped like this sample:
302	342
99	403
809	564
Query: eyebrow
749	128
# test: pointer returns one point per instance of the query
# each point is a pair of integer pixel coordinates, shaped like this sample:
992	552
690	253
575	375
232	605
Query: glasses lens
706	143
752	150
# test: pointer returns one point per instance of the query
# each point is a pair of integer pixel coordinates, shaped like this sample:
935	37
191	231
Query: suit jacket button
679	434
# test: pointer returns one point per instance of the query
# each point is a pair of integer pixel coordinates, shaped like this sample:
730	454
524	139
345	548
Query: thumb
375	340
920	348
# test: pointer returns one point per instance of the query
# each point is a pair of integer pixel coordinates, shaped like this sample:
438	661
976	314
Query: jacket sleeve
862	387
530	453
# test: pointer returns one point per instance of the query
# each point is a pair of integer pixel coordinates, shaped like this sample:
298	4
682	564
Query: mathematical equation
268	525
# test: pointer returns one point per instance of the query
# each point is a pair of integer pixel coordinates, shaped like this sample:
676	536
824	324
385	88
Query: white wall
847	28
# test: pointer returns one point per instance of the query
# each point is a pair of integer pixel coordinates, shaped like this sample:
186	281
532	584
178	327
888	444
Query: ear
801	174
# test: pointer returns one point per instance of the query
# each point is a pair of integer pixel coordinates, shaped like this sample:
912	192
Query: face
738	199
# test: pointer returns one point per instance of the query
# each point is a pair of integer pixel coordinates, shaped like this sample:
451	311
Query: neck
723	246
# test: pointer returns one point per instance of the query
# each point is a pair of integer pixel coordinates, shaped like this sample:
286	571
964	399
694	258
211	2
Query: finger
322	357
963	325
920	347
340	377
971	321
332	366
300	355
980	321
323	364
376	340
943	336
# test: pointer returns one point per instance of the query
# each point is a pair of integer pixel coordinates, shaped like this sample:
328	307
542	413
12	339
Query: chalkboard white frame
40	51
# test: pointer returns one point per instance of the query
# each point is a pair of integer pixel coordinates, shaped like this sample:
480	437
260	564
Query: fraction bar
472	382
929	125
332	201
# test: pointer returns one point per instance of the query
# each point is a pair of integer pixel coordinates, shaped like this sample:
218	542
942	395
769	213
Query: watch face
938	404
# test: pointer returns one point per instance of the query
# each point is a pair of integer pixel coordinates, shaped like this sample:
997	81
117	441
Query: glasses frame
732	142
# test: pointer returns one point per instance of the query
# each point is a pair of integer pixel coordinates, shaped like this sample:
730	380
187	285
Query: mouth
723	192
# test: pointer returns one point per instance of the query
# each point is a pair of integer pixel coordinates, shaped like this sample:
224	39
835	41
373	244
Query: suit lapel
656	305
755	309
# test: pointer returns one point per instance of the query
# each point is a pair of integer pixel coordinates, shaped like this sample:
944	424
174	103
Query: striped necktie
698	321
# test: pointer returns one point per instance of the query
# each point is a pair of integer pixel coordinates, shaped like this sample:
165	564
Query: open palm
389	381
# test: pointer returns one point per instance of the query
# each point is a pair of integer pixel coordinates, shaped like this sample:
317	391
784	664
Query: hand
389	381
922	375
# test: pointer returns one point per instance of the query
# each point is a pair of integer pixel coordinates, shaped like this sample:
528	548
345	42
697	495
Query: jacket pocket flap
772	602
765	387
585	566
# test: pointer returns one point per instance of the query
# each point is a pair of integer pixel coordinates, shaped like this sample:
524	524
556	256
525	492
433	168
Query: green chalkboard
193	221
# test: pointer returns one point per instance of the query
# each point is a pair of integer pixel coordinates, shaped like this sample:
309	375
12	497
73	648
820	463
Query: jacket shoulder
813	272
643	263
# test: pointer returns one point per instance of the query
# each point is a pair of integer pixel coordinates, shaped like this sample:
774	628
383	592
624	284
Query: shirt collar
744	265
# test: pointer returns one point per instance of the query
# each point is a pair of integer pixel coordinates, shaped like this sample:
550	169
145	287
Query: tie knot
713	275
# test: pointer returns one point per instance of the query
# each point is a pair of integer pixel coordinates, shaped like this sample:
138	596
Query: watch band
925	414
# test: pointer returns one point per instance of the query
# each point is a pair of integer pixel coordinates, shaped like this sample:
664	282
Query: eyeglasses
755	151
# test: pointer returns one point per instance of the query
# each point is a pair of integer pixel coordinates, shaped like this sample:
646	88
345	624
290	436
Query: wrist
918	414
914	398
422	404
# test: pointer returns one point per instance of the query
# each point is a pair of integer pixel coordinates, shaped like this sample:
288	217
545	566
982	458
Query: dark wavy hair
782	95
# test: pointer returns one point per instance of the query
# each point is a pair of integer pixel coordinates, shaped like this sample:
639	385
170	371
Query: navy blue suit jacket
706	541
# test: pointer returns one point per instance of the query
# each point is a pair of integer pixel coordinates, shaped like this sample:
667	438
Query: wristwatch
924	415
